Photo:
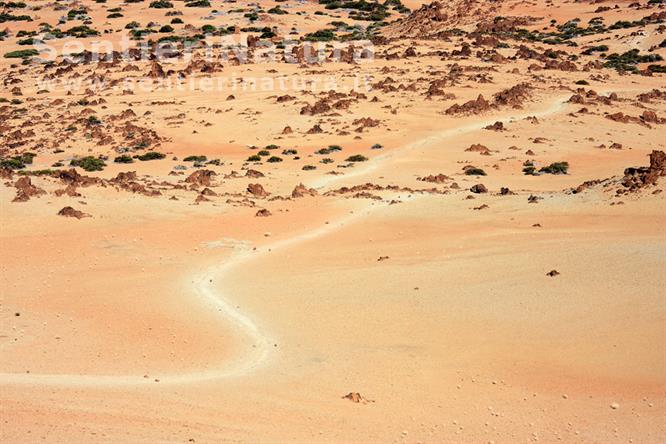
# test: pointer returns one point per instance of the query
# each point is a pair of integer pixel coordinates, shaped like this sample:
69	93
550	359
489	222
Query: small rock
479	188
71	212
356	397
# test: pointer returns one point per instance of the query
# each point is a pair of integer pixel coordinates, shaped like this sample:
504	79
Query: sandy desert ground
450	230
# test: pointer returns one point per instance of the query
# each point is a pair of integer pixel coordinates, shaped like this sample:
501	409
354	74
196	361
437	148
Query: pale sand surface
446	336
164	319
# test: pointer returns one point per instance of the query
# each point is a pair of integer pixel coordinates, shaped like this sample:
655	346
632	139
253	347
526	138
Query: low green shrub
356	158
195	159
17	162
161	4
556	168
123	159
21	54
151	155
198	4
88	163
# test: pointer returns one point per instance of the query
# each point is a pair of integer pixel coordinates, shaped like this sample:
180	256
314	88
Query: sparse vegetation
356	158
161	4
150	155
195	159
593	49
21	54
7	17
88	163
330	149
17	162
556	168
277	10
323	35
198	4
364	10
123	159
82	31
627	61
529	169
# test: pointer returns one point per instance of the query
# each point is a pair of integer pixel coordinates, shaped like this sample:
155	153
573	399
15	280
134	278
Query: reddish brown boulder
365	122
6	173
356	398
72	177
514	96
69	190
479	189
472	107
315	130
439	178
71	212
319	107
577	98
637	178
257	190
478	148
497	126
156	71
25	190
202	178
128	181
301	191
651	117
253	173
649	96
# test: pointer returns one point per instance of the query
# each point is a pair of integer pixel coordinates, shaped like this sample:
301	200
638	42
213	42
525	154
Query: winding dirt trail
556	107
205	289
